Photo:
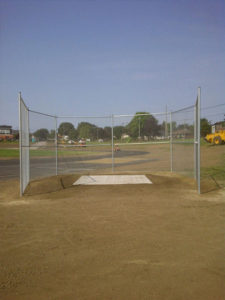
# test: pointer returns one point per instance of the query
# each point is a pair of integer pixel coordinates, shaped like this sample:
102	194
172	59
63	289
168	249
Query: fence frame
25	169
24	144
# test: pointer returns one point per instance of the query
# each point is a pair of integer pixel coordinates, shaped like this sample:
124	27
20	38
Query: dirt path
160	241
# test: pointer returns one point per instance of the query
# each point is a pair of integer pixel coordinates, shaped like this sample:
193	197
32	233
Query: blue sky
104	57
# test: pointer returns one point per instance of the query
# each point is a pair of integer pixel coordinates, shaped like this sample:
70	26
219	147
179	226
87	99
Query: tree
87	130
174	126
52	134
73	134
107	132
41	134
100	133
143	125
151	126
65	128
205	127
118	131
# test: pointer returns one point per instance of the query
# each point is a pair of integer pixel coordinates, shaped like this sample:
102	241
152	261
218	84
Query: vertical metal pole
166	128
112	145
139	129
199	140
56	146
195	128
171	144
20	145
28	148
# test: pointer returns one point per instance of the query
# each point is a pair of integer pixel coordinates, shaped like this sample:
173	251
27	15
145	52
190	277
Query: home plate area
112	179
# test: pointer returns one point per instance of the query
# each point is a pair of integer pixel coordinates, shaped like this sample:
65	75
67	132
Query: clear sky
104	57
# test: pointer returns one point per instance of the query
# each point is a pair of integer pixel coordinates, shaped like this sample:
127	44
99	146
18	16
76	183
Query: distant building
5	129
218	126
125	136
182	133
6	132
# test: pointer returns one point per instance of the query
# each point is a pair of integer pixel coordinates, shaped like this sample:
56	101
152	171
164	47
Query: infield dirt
159	241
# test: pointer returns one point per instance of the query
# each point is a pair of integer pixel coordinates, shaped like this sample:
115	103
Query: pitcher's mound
112	179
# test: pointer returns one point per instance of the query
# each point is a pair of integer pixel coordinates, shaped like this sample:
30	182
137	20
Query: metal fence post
28	152
112	144
195	142
171	144
199	140
56	146
20	144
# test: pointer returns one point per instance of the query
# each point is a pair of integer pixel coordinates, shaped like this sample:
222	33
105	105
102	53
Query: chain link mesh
24	145
141	142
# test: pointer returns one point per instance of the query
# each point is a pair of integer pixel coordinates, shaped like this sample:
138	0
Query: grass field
14	153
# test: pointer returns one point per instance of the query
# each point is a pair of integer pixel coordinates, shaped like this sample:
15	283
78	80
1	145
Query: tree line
140	126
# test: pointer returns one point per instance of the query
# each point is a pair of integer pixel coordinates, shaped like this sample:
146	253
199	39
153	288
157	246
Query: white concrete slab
112	179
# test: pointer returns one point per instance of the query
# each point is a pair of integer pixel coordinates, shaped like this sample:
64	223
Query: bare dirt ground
159	241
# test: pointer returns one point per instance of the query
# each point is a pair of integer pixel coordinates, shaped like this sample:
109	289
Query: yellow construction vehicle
217	135
216	138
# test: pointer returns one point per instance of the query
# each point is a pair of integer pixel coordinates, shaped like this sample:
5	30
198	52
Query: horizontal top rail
139	115
40	113
61	146
213	106
143	143
182	109
85	117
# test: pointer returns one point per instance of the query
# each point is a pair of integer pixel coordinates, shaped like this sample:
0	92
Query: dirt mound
62	186
50	184
209	184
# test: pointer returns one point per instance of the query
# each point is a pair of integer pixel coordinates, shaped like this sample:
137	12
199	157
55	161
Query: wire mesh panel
42	145
213	146
182	150
85	145
24	145
141	142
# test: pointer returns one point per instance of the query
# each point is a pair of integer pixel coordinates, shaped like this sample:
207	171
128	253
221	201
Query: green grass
14	153
9	142
9	153
216	172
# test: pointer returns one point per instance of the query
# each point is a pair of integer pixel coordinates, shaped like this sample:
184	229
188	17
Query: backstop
138	143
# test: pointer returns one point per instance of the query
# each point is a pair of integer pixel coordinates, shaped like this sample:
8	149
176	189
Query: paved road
42	167
9	169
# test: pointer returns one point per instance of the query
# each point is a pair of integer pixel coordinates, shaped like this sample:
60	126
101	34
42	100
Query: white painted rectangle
112	179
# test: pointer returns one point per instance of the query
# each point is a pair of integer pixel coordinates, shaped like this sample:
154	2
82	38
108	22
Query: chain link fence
213	147
84	145
42	145
139	143
24	145
183	143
